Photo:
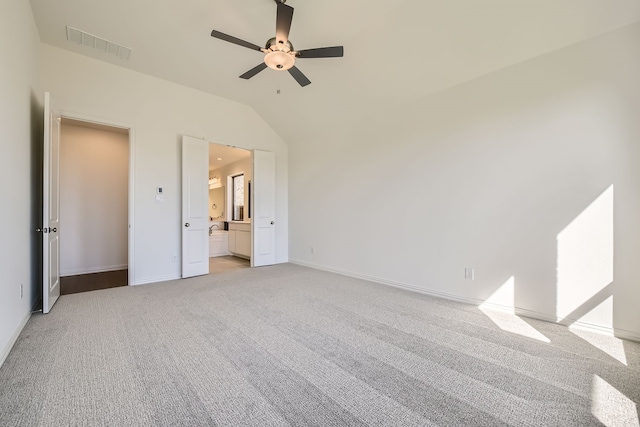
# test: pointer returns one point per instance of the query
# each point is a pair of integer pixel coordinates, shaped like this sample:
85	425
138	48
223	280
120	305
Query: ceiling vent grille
80	37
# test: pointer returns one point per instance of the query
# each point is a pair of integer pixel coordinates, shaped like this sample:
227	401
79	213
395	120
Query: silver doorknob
187	224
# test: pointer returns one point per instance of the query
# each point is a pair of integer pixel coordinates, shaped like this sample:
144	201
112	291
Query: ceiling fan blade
252	72
322	52
300	78
234	40
284	17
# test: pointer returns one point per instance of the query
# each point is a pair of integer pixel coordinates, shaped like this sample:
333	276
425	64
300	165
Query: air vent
80	37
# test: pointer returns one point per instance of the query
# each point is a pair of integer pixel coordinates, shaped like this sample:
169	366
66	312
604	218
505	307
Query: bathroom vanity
218	243
240	238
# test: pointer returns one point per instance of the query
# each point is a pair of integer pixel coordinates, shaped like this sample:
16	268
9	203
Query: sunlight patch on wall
503	298
585	261
612	346
611	407
499	307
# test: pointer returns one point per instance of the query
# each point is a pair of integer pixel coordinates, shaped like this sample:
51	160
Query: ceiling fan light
279	60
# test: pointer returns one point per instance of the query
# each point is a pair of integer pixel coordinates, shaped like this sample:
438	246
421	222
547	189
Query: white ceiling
227	154
395	51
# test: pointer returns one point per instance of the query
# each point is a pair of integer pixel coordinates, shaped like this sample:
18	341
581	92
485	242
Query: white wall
488	175
160	113
94	192
20	130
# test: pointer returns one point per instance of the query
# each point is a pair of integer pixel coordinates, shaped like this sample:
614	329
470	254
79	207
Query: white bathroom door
195	207
50	207
263	217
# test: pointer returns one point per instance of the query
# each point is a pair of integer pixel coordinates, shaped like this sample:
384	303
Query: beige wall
509	174
94	172
160	113
20	139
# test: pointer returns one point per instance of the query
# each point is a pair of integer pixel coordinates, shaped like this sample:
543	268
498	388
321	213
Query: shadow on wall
37	136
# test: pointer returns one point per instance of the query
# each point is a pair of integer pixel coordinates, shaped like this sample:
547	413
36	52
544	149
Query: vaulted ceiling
395	51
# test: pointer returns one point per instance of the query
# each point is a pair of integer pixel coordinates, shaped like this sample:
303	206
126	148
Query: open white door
195	207
263	194
51	207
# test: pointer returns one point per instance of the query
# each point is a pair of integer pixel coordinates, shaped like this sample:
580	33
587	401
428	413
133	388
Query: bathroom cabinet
240	239
218	244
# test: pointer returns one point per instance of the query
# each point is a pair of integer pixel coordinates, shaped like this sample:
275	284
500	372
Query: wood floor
93	281
113	279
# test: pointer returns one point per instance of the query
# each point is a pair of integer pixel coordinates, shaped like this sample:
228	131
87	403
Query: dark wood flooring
93	281
114	279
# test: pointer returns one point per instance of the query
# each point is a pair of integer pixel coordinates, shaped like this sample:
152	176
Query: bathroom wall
242	166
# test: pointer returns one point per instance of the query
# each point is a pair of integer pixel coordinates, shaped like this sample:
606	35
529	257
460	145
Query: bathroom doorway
230	171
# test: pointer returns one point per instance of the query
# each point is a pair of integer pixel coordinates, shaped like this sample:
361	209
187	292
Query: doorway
230	171
94	206
253	238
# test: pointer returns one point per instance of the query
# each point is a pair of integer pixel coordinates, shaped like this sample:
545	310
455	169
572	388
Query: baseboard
627	335
147	280
64	273
13	339
619	333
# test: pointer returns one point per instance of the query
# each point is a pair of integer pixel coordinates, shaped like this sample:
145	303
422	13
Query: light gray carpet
288	345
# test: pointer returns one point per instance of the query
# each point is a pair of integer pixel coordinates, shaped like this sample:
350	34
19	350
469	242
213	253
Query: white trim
13	339
93	270
617	332
156	279
131	207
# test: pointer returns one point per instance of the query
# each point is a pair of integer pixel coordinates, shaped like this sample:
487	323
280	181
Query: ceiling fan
279	52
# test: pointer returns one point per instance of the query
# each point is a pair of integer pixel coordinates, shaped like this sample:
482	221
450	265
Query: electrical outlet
174	258
313	249
469	273
21	291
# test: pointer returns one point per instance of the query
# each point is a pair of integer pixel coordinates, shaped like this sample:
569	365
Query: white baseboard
156	279
617	332
78	272
13	339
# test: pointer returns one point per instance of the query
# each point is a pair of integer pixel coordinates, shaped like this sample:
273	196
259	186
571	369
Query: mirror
216	203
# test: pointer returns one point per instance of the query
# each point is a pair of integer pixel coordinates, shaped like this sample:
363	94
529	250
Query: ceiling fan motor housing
279	56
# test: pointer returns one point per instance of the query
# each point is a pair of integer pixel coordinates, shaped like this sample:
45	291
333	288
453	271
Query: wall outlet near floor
174	258
469	273
313	249
21	291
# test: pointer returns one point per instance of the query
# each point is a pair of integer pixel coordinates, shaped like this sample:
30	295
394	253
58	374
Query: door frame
131	131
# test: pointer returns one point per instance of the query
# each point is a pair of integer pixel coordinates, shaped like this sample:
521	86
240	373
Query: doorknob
272	222
54	230
186	224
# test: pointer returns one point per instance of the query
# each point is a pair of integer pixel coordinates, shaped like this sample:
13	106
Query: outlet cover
469	273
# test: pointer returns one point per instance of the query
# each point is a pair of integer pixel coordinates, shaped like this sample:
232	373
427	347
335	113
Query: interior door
51	207
195	207
263	204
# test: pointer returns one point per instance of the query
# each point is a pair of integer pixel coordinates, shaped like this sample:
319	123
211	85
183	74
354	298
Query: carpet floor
291	346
